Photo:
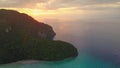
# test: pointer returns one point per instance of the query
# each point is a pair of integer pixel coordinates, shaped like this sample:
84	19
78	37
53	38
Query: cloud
81	3
94	6
19	3
56	4
67	9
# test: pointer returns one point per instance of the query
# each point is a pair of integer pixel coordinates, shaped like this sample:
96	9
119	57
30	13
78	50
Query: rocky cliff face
23	38
14	22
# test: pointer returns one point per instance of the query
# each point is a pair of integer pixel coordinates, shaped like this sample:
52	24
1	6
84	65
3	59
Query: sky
66	9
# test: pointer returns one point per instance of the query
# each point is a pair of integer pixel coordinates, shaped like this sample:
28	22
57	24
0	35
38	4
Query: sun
36	12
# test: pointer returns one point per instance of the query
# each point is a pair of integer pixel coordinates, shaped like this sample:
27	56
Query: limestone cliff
14	22
23	38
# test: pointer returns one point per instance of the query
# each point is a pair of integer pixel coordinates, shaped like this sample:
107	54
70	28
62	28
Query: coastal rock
49	50
14	22
24	38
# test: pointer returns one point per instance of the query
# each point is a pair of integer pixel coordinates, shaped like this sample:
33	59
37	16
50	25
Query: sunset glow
63	9
36	12
78	33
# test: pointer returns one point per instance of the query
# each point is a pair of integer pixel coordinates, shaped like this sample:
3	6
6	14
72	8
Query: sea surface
98	44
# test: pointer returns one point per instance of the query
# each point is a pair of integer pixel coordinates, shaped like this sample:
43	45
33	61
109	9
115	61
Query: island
24	38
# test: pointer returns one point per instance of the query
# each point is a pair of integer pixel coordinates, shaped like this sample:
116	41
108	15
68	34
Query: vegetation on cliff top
23	38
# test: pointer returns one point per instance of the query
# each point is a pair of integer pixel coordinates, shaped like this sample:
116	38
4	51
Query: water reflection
73	32
104	41
101	39
96	42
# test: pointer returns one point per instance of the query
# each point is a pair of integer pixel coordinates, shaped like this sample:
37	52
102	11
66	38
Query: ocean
97	44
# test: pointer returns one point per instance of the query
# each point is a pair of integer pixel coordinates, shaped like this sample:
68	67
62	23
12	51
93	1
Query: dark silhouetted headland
24	38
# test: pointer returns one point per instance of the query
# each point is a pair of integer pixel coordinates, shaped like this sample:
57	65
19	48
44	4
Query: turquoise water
82	61
103	39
